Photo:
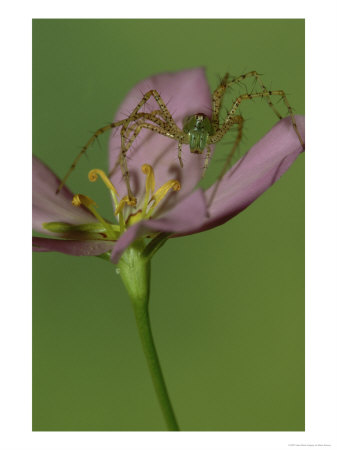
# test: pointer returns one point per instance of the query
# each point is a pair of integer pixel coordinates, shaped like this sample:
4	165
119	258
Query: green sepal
134	270
63	227
155	244
83	232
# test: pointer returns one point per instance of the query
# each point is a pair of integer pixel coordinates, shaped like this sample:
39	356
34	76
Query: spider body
198	128
198	131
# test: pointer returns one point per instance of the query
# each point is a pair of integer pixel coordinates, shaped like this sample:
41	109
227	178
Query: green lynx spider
199	131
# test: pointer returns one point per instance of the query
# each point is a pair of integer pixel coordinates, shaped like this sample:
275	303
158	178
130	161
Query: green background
227	305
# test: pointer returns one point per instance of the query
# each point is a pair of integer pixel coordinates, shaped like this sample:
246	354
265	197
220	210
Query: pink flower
173	205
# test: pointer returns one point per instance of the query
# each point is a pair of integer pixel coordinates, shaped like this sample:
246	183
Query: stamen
80	199
93	177
150	180
151	200
149	185
161	193
163	190
125	201
131	201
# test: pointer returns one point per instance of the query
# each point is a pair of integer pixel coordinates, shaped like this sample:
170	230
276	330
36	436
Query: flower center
125	211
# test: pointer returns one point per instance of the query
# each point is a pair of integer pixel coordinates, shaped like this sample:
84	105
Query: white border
321	249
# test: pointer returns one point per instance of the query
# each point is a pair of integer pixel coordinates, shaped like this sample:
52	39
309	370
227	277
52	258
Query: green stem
144	329
135	272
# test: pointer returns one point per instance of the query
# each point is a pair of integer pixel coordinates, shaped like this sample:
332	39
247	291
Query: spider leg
165	113
217	97
239	121
257	76
128	140
180	144
102	130
227	123
137	126
219	93
167	128
125	132
208	154
179	135
84	149
133	127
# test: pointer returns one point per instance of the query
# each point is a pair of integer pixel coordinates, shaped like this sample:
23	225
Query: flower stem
144	329
135	272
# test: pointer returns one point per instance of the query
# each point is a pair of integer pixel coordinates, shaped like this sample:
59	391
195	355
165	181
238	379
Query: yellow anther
80	199
150	181
125	201
149	186
163	190
93	177
131	201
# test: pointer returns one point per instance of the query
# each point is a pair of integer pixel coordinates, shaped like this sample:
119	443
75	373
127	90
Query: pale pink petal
183	219
51	207
253	174
185	93
76	248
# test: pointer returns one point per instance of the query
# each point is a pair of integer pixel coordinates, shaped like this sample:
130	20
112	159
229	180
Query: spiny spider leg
199	131
164	110
208	154
239	121
217	97
149	116
180	146
136	128
257	76
84	149
160	127
128	140
235	120
139	118
133	127
224	128
170	130
219	93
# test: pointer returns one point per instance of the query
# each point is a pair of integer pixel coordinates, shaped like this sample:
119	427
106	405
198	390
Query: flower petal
51	207
183	219
253	174
185	93
76	248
